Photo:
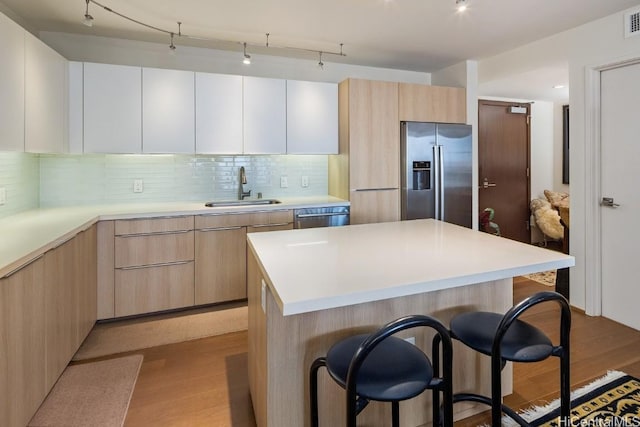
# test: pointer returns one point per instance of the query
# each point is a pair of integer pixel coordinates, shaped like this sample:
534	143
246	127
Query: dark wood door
503	165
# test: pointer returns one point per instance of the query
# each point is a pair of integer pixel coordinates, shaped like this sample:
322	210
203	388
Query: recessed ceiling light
461	5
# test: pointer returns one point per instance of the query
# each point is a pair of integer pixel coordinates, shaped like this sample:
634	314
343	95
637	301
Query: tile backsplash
20	177
96	179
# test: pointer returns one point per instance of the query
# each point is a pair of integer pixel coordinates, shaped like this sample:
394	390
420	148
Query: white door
620	176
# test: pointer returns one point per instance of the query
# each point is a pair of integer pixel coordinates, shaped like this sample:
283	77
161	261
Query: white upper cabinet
218	114
45	98
112	108
265	116
11	86
312	117
168	111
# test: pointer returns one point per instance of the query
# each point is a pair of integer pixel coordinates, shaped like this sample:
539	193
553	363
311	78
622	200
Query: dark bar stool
384	368
506	338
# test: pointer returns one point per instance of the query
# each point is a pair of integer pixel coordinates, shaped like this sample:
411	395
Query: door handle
487	184
608	202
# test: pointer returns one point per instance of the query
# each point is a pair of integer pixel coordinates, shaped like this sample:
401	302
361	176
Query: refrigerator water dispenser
422	175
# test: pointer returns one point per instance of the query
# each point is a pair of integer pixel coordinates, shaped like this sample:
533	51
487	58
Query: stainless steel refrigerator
436	172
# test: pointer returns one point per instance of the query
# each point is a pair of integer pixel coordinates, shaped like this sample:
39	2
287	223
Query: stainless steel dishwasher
328	216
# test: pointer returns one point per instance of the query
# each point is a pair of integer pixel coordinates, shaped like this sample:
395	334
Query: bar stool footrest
477	398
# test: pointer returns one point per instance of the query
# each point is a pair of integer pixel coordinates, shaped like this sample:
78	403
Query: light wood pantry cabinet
423	103
45	98
47	308
265	116
112	108
312	117
153	261
218	114
11	86
369	158
221	248
168	111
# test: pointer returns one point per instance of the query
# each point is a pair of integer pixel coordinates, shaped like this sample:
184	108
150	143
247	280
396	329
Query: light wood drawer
243	219
153	249
153	225
145	290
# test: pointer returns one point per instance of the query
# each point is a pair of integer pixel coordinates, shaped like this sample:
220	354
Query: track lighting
461	5
88	19
246	60
320	63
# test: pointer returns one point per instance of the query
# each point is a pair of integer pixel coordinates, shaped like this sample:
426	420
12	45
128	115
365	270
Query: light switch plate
138	185
3	195
305	181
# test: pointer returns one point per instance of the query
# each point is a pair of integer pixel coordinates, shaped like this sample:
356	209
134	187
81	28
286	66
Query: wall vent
632	23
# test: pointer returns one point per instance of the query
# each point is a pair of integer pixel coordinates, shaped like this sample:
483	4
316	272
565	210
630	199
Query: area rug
613	400
90	395
547	278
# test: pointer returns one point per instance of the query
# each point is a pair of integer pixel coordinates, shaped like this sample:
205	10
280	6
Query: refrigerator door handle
437	185
442	183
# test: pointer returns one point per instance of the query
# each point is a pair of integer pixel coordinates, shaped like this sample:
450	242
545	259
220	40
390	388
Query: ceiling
418	35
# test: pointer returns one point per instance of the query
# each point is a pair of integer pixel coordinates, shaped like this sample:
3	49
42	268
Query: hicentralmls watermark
627	421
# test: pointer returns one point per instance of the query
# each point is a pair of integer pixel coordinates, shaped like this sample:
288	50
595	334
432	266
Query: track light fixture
461	5
320	63
246	60
88	21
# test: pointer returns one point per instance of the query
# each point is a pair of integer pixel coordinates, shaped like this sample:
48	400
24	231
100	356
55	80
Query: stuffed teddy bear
547	219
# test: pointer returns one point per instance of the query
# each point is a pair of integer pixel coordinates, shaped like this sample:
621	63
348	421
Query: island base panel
282	348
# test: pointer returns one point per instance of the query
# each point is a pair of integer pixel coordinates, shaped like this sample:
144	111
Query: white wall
595	44
126	52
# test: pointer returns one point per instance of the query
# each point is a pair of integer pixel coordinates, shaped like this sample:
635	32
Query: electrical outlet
284	182
305	181
3	195
138	185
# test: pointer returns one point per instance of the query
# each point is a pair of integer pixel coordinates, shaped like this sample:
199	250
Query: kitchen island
309	288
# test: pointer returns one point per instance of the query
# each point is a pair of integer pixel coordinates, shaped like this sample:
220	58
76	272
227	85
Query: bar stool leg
313	388
496	391
395	414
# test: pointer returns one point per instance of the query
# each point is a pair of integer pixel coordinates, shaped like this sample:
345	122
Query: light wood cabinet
423	103
47	308
11	86
106	269
375	206
168	111
312	117
265	116
221	251
45	98
112	109
154	265
369	159
22	344
218	114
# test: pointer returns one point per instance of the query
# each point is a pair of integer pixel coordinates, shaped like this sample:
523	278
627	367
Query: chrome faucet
243	180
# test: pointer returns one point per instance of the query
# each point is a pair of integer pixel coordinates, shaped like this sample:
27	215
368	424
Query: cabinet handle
160	233
26	264
320	215
270	225
164	264
220	229
375	189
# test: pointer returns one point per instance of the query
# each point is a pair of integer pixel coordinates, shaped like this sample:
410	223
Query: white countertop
29	234
322	268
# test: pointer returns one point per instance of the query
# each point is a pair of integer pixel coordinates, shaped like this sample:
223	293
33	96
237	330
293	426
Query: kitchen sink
251	202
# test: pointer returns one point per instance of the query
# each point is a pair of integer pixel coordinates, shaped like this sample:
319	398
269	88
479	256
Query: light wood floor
204	382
